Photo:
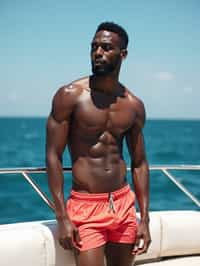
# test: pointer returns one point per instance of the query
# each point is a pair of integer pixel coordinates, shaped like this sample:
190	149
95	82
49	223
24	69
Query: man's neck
105	84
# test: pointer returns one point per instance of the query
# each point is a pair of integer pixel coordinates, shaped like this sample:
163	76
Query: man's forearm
56	181
141	185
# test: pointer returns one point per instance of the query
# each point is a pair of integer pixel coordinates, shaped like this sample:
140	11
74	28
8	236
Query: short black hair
113	27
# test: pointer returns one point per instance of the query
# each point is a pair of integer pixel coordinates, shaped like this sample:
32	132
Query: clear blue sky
45	44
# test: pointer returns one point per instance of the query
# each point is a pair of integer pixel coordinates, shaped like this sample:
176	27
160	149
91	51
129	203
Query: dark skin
92	116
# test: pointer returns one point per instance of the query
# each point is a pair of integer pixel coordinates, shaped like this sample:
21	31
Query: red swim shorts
103	217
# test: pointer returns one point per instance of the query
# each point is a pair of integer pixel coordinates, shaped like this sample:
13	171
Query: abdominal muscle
101	170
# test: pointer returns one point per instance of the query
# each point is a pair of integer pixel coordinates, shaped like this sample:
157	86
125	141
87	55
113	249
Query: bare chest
116	118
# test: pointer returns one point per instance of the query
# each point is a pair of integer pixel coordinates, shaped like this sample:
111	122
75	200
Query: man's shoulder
72	90
137	105
134	100
66	98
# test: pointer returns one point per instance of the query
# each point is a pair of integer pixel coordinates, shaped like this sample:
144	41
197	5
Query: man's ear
124	53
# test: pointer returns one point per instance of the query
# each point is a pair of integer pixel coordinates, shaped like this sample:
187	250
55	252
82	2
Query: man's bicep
59	119
135	144
57	135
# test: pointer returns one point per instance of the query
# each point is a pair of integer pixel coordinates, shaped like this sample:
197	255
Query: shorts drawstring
111	202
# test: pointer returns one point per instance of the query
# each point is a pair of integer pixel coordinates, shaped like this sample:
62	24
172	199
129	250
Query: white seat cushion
26	244
180	233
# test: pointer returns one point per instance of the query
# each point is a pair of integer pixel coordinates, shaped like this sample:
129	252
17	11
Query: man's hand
68	235
143	239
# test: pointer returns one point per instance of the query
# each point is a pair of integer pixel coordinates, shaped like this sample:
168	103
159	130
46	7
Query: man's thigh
91	257
119	254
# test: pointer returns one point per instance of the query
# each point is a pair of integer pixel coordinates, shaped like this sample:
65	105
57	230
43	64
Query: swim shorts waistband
100	196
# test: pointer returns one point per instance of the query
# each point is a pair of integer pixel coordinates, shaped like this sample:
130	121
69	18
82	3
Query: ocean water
22	144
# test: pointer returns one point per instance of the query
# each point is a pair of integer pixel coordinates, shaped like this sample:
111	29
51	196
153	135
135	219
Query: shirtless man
93	116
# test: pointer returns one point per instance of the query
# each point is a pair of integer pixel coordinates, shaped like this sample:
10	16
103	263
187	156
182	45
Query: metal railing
163	168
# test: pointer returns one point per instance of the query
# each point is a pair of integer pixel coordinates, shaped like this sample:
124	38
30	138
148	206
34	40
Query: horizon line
148	118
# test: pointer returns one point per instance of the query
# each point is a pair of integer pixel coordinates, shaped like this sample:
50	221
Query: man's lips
99	62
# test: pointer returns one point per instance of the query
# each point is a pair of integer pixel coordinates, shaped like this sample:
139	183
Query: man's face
106	54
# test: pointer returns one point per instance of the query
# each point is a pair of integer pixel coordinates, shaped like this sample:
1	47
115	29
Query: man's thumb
77	237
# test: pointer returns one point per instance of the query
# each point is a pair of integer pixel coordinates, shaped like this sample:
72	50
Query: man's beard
102	70
105	69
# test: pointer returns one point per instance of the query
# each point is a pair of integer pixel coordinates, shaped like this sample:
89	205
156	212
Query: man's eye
106	47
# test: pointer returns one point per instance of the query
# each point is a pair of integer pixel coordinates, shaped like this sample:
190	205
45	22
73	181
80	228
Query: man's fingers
138	244
142	248
77	238
66	243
